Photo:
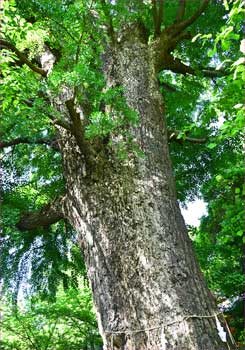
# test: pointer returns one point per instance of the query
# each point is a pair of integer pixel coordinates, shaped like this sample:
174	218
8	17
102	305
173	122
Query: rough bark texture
142	269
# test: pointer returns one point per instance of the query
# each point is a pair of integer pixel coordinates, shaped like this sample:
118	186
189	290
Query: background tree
218	241
67	323
108	122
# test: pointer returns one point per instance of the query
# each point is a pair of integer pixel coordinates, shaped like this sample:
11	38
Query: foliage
41	258
199	107
67	323
218	240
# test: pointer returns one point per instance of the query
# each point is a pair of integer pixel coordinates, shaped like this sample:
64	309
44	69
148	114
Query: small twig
173	137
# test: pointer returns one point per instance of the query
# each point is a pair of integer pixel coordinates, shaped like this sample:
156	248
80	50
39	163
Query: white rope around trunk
162	326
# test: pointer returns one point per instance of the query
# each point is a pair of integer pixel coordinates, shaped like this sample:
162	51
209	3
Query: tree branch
168	87
181	11
165	43
25	140
211	72
178	38
160	16
48	215
154	13
75	116
157	14
77	128
55	121
60	122
177	66
183	25
174	136
182	36
4	44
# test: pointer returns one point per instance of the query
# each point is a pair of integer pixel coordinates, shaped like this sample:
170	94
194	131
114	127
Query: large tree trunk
147	287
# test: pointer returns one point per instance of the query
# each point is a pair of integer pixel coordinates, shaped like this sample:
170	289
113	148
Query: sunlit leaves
227	100
219	239
115	120
212	145
219	242
68	323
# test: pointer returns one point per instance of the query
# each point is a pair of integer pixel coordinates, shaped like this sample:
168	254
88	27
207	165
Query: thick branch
181	11
160	16
77	128
183	25
48	215
75	117
154	13
177	66
178	38
23	59
168	87
174	136
25	140
182	36
165	43
157	15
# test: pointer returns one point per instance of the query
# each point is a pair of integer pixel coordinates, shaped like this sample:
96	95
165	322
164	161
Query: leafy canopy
68	323
76	33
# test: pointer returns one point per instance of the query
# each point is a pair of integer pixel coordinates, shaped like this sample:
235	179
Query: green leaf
219	178
226	45
212	145
212	52
226	5
196	37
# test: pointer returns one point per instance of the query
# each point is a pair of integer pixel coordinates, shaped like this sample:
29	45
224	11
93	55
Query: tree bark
148	291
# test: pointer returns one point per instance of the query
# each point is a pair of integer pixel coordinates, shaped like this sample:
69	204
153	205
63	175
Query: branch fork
167	40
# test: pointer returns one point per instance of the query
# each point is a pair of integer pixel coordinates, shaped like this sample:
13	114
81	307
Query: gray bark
145	279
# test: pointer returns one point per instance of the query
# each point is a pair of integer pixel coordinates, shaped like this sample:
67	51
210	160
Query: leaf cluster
67	323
